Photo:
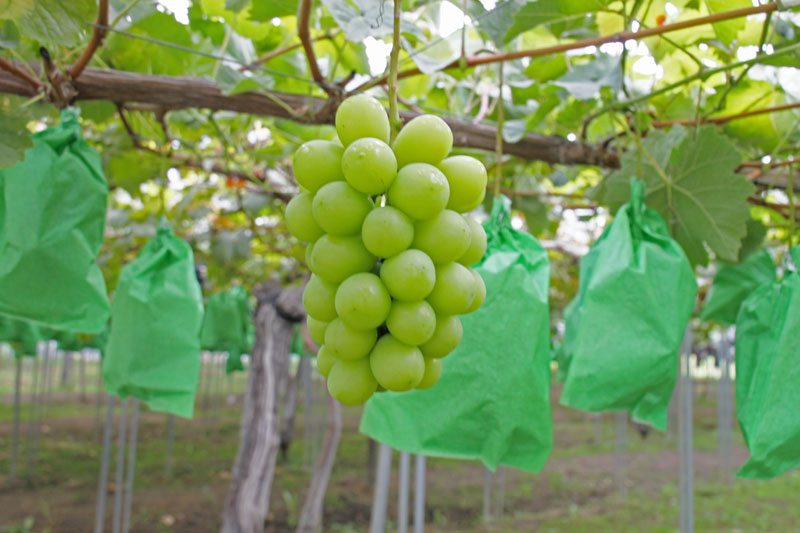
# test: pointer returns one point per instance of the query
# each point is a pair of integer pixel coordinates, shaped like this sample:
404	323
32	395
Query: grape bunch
389	249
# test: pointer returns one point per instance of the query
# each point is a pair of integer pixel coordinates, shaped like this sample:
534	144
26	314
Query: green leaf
585	81
130	168
514	130
265	11
498	21
693	184
544	69
9	34
540	12
14	137
727	30
58	22
236	5
753	239
535	212
230	246
231	81
366	18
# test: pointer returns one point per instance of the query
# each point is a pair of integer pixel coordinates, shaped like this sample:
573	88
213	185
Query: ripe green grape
444	237
299	220
409	276
369	165
445	338
480	291
318	298
339	209
316	329
425	139
467	178
411	322
433	370
325	361
396	365
351	382
387	231
361	116
348	344
317	163
477	243
454	290
419	190
362	301
336	258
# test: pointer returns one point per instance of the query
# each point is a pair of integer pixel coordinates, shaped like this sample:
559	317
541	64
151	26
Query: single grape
339	209
425	139
454	290
361	116
318	298
369	165
325	361
362	301
316	329
444	237
480	291
467	178
387	231
396	365
299	220
317	163
433	370
445	337
351	382
336	258
409	276
477	243
411	322
346	343
419	190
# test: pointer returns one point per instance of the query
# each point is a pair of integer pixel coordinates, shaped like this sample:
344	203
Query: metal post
33	411
621	450
50	349
500	501
685	441
402	492
126	513
98	393
377	523
487	495
598	428
419	494
102	484
12	471
724	404
82	370
170	443
119	475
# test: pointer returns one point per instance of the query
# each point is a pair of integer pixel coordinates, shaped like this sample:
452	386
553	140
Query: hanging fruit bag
52	216
22	335
636	295
735	282
492	401
226	326
767	375
153	350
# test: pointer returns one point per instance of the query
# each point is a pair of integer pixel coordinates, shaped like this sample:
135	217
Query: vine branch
98	34
725	118
17	72
303	17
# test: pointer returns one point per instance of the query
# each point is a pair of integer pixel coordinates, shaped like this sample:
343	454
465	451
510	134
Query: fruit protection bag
22	335
153	350
52	216
735	282
227	325
768	374
636	295
492	401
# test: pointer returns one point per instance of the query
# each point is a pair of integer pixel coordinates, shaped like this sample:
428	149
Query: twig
98	34
21	74
286	49
726	118
498	140
394	112
305	39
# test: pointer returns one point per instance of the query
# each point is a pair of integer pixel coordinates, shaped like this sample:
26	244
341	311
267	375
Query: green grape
336	258
339	209
362	301
425	139
445	338
318	298
467	178
396	365
369	165
387	231
433	370
351	382
444	237
477	243
454	289
299	220
411	322
419	190
325	361
317	163
409	275
361	116
480	291
317	329
348	344
309	249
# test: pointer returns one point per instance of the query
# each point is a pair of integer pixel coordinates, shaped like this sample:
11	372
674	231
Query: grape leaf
366	19
266	11
9	34
236	5
14	137
727	30
539	12
585	81
231	81
756	233
496	22
57	22
692	183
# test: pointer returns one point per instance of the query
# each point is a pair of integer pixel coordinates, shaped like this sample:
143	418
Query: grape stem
394	112
498	146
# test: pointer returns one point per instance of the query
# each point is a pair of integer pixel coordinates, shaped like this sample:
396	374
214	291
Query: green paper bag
768	374
492	401
636	294
52	216
735	282
153	349
22	335
226	326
